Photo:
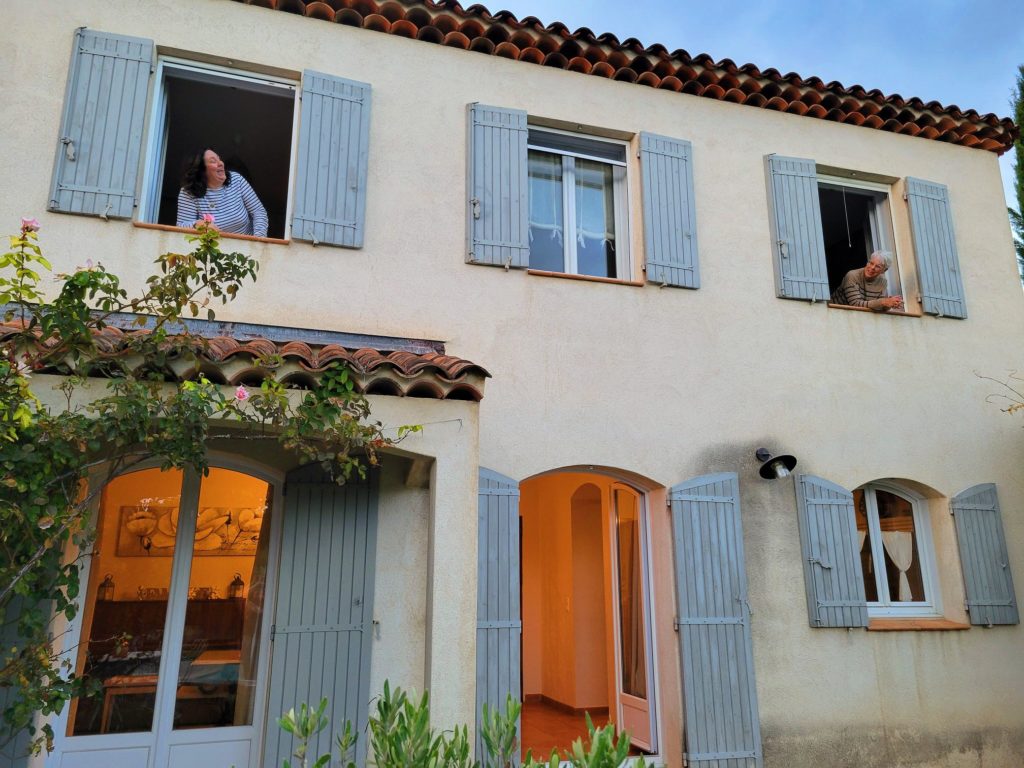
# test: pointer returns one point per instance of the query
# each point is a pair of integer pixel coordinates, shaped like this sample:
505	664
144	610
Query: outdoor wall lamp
774	467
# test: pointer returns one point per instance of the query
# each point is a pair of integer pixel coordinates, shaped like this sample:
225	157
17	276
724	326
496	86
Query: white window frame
620	196
884	607
156	141
881	224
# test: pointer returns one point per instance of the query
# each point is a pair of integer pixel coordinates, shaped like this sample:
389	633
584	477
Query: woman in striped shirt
208	188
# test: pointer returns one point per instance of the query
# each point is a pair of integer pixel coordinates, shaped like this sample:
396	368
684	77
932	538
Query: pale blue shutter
334	150
323	620
798	242
498	624
983	556
942	290
719	693
498	205
100	142
14	747
670	219
830	548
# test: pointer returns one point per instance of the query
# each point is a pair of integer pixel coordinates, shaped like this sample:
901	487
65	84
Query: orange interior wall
589	577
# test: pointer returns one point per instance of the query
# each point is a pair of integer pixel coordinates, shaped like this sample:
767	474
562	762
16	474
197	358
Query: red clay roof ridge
476	29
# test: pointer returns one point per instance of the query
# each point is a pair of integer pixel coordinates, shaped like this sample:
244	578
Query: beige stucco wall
665	383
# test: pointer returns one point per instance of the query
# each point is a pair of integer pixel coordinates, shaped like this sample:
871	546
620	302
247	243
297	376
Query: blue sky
952	51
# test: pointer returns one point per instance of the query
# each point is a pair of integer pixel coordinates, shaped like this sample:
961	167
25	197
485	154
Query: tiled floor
545	727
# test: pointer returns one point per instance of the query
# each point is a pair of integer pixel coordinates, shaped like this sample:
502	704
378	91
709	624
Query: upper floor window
896	552
248	120
578	212
856	221
307	161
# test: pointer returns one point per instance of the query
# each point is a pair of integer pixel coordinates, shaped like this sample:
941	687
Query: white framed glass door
172	636
633	657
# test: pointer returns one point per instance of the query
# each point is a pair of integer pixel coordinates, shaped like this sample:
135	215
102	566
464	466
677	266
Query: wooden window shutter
719	693
670	219
983	556
100	144
334	149
323	622
830	547
797	238
498	186
938	264
498	623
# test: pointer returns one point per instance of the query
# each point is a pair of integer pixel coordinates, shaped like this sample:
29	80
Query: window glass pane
126	603
899	540
595	219
547	218
631	603
864	538
220	647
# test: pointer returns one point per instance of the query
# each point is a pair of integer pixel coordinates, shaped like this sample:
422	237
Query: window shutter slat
334	149
983	556
499	625
498	186
719	692
100	144
670	220
942	290
833	575
323	621
797	240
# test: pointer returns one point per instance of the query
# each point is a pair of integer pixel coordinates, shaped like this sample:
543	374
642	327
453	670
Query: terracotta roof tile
228	360
475	28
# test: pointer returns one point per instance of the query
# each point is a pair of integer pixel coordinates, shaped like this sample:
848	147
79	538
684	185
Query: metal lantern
106	588
236	588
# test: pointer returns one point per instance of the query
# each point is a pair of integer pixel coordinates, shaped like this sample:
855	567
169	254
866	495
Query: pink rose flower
208	218
241	394
29	224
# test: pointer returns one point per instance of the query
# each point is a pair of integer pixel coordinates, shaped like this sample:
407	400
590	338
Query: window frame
154	150
620	196
931	606
881	221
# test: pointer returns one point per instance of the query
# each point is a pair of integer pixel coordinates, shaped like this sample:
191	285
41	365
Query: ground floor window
171	632
247	119
856	222
897	556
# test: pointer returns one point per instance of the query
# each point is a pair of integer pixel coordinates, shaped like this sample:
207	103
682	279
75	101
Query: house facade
635	248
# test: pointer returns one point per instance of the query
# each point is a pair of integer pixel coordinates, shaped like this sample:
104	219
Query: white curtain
899	545
861	535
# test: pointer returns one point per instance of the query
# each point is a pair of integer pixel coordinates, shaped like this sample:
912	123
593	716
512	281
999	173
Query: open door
634	692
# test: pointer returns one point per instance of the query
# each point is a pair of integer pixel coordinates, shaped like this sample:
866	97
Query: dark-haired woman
208	188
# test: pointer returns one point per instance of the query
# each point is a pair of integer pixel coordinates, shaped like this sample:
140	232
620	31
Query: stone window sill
893	312
226	235
587	278
914	625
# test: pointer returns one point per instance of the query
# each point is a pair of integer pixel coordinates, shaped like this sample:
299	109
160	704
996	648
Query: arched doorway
173	634
586	610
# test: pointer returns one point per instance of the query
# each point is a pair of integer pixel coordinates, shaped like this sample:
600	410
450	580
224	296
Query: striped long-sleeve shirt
857	291
235	208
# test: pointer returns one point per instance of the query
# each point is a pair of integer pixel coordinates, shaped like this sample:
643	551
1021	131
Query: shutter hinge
273	631
675	623
905	195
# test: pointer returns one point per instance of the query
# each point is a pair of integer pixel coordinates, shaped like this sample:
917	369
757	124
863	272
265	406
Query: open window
896	552
249	119
578	210
855	222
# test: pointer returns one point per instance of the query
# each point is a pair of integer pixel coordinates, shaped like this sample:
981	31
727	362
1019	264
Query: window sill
914	625
190	231
587	278
894	312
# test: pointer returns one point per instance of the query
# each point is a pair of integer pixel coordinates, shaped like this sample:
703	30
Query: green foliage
602	751
1017	217
53	462
306	725
401	736
499	733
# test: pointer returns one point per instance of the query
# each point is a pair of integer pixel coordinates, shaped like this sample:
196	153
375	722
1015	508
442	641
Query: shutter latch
475	202
675	623
820	562
69	148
